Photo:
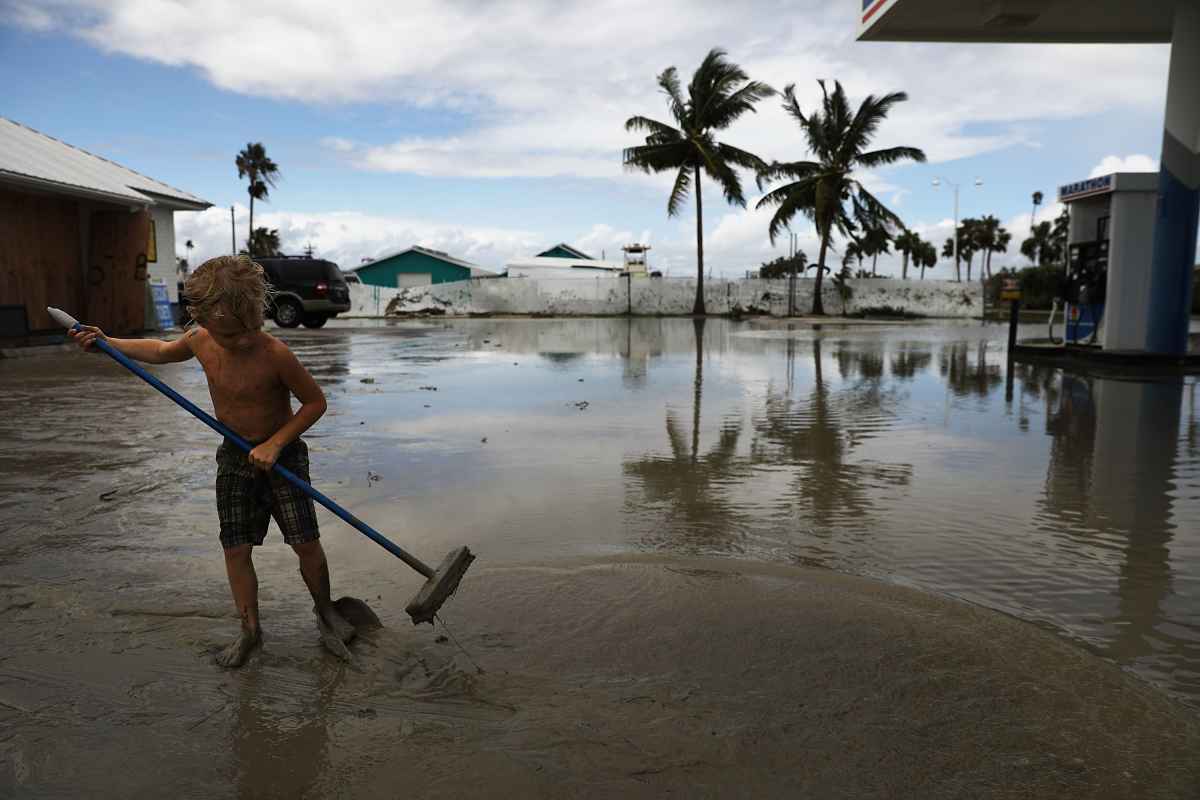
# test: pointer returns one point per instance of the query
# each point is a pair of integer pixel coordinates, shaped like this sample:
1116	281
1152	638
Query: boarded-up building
80	232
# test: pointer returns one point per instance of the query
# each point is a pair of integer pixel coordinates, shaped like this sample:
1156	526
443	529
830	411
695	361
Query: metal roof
1118	21
576	252
33	159
438	254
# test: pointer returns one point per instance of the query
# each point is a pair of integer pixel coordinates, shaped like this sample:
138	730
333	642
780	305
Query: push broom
439	583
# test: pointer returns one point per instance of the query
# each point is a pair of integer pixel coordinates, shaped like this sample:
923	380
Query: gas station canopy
1115	21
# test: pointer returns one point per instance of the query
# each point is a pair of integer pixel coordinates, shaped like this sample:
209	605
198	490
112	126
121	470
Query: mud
609	677
637	610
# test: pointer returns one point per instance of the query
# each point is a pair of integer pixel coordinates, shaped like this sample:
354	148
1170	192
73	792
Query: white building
554	267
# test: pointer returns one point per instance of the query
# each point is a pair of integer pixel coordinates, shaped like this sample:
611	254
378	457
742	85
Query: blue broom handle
291	477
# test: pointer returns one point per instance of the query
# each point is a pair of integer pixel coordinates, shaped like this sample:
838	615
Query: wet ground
712	558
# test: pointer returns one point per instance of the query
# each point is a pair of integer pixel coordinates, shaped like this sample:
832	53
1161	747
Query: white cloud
545	87
1134	163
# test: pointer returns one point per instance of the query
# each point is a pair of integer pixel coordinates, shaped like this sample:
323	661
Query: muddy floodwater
715	559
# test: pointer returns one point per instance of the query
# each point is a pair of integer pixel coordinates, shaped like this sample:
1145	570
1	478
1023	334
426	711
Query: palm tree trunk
697	384
698	306
969	270
904	269
250	237
818	308
874	262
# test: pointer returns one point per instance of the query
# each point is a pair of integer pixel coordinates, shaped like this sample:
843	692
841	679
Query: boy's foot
336	621
240	649
331	638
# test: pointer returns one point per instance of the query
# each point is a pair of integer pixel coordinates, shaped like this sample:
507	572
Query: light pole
954	235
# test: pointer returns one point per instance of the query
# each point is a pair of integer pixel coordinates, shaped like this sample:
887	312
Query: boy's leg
314	568
243	582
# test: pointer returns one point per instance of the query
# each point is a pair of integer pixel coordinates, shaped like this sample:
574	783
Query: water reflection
910	358
698	513
1111	475
969	376
279	735
815	435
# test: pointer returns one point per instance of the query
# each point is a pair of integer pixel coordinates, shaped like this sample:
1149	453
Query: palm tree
906	243
1037	201
987	236
1039	246
261	173
925	256
966	246
265	242
855	250
876	240
719	93
821	189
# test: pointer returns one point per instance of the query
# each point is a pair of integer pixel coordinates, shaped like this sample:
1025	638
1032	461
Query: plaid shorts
247	498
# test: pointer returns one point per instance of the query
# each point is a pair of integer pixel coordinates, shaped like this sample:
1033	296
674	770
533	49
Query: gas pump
1105	291
1084	290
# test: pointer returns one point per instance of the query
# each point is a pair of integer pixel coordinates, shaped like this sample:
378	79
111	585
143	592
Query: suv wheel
315	320
287	313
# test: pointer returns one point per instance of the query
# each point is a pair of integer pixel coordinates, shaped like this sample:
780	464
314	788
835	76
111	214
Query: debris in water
483	440
429	388
582	404
372	477
428	406
581	380
366	380
108	495
441	639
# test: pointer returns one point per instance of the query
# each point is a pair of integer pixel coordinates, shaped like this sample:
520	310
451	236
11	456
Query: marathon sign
1073	191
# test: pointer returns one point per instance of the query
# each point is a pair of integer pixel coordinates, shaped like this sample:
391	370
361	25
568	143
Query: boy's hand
263	457
86	337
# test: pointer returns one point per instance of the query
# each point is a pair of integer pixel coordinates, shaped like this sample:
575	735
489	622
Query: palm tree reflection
817	435
965	378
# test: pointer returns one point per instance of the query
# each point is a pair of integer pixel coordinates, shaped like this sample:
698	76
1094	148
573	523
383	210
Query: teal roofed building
418	266
563	250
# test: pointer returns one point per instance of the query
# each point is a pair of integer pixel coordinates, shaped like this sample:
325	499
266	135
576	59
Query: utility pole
954	237
232	231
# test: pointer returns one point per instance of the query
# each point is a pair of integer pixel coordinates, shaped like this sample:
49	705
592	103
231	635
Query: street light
954	235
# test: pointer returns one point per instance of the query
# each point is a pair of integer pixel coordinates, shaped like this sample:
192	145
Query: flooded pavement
647	499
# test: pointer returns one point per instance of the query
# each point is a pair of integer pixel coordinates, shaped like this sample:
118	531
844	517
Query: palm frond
679	192
890	155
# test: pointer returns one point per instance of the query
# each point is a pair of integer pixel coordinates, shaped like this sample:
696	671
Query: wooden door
116	273
39	255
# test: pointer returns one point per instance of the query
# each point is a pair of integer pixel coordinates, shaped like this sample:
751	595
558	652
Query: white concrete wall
164	267
661	297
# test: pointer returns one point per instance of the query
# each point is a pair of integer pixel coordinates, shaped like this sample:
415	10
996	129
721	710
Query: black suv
306	290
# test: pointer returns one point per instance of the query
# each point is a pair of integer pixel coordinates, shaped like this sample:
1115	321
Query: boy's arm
149	351
312	407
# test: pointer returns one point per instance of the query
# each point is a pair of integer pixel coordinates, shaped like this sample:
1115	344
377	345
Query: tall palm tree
261	173
1039	246
821	189
719	93
876	240
925	256
966	246
906	243
1037	201
987	236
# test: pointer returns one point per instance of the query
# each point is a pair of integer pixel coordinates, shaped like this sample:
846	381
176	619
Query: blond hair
229	286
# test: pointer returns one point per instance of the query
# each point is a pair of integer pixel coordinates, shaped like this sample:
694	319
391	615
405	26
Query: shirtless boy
251	377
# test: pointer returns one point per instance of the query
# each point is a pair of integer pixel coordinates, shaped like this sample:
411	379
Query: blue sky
492	132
